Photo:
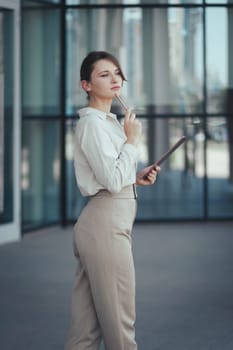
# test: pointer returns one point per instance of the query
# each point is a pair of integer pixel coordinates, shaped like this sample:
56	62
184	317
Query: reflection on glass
160	51
179	189
220	167
184	2
75	96
75	200
217	59
101	2
41	62
218	1
72	2
40	173
185	55
31	3
130	2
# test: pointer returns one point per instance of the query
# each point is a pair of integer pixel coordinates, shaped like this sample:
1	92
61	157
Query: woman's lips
115	88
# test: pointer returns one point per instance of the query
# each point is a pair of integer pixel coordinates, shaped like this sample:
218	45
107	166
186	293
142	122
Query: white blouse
102	159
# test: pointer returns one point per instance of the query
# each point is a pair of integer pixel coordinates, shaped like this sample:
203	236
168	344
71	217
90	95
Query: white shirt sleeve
112	169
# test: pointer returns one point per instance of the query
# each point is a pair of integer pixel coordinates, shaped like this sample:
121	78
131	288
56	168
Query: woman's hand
132	127
147	176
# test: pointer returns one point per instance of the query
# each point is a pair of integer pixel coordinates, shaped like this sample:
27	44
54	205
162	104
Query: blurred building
177	60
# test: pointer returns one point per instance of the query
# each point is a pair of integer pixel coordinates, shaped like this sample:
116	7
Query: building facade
177	58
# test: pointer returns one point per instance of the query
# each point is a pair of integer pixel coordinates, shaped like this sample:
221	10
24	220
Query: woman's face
106	80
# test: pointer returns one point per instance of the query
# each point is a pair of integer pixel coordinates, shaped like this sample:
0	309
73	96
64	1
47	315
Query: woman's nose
114	78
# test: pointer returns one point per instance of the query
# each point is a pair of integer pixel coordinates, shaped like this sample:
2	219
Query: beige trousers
103	301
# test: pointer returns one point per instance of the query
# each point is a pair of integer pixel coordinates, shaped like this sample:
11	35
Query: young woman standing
105	158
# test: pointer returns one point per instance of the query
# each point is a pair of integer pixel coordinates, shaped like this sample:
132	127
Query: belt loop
134	191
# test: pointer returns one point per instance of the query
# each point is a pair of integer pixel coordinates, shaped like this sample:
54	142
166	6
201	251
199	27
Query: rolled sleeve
131	149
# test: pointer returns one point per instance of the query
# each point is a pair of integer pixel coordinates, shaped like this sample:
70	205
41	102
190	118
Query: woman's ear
85	85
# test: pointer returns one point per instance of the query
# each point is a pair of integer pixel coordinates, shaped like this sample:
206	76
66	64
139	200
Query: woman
105	158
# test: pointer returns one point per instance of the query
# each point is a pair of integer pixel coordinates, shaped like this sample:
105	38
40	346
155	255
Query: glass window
31	3
75	201
218	54
185	59
160	51
217	1
41	62
40	173
178	192
220	167
101	2
129	2
183	2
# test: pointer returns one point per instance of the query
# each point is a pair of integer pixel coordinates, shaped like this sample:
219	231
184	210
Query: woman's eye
104	75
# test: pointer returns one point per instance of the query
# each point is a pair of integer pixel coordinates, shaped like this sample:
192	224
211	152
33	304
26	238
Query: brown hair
89	61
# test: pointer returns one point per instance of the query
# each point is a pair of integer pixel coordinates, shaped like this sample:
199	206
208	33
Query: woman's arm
112	170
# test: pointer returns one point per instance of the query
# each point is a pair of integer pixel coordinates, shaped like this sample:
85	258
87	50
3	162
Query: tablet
168	153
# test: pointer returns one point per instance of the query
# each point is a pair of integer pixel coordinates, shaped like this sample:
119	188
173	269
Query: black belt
135	191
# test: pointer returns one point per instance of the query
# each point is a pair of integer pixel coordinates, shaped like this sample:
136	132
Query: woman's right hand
132	127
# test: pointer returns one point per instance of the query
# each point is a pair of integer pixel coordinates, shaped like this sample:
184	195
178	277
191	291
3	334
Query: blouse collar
84	112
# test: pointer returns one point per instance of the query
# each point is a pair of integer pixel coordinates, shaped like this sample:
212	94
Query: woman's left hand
147	176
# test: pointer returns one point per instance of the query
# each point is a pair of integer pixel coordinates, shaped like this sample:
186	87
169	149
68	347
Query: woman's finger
153	173
127	114
132	115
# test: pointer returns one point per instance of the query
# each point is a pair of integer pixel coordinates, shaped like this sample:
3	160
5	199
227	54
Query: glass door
9	121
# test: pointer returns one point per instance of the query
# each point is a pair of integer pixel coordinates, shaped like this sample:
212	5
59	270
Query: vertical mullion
205	179
63	197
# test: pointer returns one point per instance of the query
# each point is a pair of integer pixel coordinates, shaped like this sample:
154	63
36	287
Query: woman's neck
102	105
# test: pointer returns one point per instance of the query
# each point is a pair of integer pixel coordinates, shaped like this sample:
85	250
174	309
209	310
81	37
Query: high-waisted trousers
103	299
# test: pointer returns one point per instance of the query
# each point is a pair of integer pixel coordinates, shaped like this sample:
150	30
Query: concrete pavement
184	275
